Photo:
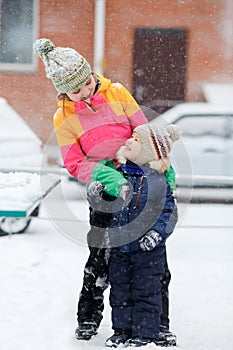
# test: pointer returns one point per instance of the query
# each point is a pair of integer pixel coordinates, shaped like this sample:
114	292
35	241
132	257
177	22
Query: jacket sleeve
167	220
131	108
76	162
74	159
170	177
109	177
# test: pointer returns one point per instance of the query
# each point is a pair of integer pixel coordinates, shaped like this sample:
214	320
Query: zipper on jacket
139	193
90	106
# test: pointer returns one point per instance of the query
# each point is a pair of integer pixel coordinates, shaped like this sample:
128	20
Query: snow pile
18	190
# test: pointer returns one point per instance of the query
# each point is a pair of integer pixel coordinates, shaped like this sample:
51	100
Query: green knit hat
67	69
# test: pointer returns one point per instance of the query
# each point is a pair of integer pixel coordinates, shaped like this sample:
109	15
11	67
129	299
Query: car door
229	145
206	142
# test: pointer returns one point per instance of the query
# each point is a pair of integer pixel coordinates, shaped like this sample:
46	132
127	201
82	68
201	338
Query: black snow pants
95	281
96	275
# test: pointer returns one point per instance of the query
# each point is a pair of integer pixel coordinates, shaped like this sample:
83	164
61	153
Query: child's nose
85	92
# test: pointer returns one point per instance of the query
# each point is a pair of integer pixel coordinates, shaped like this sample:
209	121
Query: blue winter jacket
150	205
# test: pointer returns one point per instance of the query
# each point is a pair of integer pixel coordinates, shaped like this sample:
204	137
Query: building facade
162	51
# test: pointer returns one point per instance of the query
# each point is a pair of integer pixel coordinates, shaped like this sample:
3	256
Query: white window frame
25	67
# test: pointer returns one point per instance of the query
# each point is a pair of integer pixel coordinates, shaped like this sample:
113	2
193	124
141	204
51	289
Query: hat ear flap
160	165
120	155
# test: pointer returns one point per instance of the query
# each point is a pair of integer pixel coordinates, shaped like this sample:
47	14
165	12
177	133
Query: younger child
137	236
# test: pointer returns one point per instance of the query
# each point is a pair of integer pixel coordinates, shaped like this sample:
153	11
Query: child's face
84	91
132	147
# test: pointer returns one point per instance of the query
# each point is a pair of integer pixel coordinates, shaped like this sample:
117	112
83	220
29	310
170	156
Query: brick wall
70	23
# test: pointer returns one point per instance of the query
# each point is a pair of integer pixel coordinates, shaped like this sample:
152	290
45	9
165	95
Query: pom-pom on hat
156	145
67	69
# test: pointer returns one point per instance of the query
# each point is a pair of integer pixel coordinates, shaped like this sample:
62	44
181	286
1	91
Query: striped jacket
90	132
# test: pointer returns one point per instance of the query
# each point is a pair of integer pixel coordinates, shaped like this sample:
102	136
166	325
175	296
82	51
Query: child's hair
160	165
63	97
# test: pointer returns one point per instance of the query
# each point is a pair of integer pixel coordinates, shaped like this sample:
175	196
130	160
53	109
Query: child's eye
88	82
76	92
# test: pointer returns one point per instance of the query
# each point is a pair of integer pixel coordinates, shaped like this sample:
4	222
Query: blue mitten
150	240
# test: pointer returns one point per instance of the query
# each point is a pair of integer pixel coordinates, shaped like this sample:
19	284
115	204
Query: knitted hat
156	145
64	66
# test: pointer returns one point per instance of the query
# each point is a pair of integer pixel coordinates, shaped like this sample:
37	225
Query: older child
93	119
138	234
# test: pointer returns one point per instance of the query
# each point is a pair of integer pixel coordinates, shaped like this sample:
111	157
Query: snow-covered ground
41	276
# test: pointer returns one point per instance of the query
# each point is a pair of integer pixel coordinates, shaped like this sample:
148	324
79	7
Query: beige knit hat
156	145
64	66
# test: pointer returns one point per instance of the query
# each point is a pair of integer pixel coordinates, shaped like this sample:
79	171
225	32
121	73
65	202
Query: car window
208	141
202	126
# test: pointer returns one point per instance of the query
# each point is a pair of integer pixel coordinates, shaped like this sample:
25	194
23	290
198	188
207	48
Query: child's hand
94	192
150	240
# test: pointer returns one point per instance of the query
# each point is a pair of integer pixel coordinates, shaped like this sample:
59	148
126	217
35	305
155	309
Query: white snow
19	145
41	276
218	93
19	190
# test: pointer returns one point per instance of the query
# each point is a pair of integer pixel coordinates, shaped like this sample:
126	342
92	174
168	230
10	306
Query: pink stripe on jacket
90	133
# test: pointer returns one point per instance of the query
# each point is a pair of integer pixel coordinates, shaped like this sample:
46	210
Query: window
203	125
18	26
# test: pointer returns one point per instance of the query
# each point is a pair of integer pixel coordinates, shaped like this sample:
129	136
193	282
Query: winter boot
120	336
86	330
166	338
138	341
